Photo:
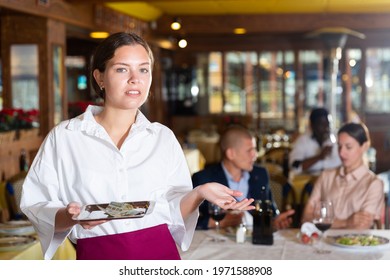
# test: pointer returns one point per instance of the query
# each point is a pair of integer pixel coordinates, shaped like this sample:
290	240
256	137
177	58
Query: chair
305	195
276	185
13	188
4	212
284	195
385	177
278	156
384	222
387	211
273	168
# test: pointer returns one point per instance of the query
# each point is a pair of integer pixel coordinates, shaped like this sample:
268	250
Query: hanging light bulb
176	24
182	43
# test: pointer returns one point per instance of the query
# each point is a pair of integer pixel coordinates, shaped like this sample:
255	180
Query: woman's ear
98	76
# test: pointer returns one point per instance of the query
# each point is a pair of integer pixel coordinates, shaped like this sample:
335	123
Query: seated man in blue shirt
238	172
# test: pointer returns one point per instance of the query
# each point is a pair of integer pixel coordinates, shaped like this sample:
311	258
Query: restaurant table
287	246
34	252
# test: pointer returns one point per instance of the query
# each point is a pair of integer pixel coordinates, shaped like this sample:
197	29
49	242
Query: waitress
113	153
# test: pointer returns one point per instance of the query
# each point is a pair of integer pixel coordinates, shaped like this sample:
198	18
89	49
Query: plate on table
359	241
114	210
13	243
17	228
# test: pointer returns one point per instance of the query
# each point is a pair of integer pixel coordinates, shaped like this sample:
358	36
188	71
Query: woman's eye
144	70
121	70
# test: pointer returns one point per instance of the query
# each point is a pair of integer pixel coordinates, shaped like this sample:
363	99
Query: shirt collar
357	174
86	122
244	174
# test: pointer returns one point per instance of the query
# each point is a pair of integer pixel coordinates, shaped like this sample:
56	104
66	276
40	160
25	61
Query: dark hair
318	113
106	50
357	131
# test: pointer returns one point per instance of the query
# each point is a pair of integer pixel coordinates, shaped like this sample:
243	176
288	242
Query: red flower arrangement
13	119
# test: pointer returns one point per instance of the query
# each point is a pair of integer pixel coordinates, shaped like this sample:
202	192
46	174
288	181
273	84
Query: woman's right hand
224	197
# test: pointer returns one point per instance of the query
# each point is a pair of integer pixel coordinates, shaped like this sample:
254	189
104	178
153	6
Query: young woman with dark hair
355	191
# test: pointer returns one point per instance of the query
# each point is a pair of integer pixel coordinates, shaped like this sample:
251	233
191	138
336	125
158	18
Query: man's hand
326	151
232	219
284	220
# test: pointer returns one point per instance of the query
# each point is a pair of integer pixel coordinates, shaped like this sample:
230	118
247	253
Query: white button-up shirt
306	147
79	162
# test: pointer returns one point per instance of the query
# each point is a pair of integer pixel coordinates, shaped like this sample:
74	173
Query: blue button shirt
241	185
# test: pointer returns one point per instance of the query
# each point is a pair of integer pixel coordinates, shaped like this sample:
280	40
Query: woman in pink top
356	192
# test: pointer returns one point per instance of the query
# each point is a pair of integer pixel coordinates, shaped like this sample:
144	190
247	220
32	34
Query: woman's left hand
224	197
73	210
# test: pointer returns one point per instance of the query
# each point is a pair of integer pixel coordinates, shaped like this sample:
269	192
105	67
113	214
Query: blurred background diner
356	192
261	64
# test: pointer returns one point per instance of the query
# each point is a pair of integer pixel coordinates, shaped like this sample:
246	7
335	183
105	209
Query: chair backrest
277	155
273	168
282	191
276	185
14	186
306	191
385	177
4	209
387	210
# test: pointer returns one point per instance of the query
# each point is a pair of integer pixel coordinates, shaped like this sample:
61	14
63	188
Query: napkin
309	228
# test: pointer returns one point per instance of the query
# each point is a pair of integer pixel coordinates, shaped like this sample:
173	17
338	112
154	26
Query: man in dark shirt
238	171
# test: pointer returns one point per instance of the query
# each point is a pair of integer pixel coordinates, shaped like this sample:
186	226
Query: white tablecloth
286	247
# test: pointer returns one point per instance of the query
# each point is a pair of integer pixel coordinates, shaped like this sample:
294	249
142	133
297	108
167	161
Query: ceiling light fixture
182	43
176	24
99	34
239	30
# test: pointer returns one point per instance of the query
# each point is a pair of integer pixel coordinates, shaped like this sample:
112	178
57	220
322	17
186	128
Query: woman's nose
133	78
341	151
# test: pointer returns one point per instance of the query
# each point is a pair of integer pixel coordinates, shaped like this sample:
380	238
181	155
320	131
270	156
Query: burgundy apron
154	243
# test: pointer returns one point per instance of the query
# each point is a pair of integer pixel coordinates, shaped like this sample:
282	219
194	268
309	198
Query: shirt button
123	197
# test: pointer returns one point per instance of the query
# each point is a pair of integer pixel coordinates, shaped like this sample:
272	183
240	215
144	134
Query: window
24	75
352	82
377	80
247	83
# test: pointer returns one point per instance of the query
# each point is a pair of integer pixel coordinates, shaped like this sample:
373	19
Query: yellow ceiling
153	9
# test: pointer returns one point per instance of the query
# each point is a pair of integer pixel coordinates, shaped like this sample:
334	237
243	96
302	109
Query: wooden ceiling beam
112	1
224	24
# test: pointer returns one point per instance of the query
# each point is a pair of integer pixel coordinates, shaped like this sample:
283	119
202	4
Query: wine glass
323	216
217	214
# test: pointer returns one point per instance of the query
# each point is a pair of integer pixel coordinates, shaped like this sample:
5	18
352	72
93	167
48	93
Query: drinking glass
323	216
217	214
